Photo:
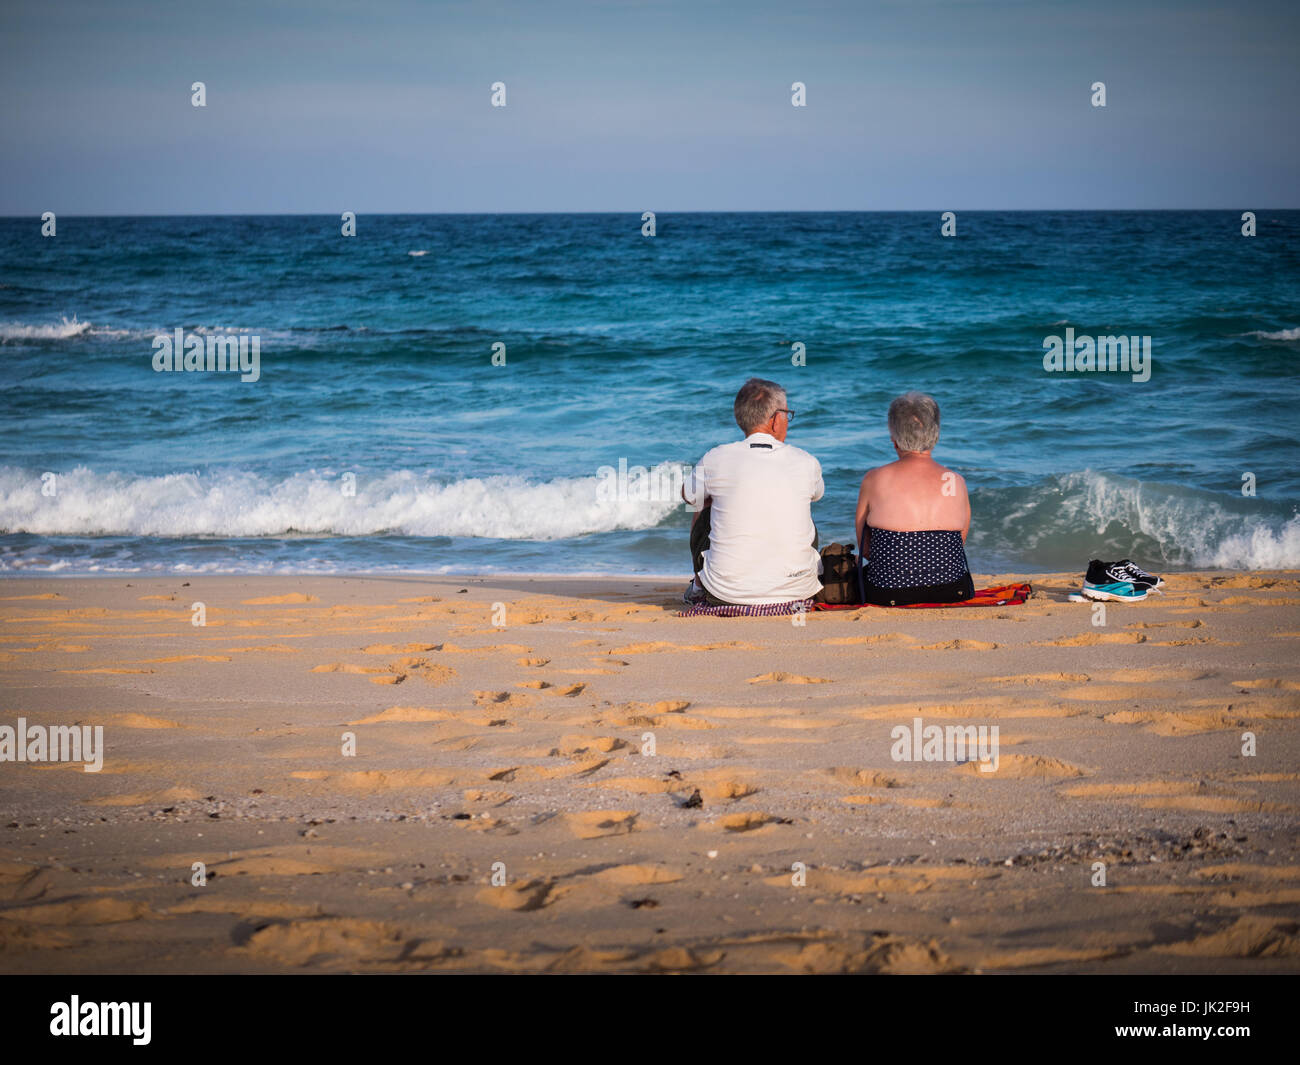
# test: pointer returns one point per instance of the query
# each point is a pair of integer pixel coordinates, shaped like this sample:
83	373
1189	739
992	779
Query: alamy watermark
637	484
53	743
102	1018
214	354
1108	354
946	743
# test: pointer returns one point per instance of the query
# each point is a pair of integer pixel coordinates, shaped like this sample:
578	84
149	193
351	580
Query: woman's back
914	493
912	516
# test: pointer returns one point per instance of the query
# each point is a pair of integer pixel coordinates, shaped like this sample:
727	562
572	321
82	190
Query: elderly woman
913	516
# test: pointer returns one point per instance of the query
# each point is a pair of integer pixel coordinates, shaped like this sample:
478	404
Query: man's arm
695	491
818	485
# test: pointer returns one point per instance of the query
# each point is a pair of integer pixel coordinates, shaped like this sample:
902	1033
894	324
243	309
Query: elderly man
753	541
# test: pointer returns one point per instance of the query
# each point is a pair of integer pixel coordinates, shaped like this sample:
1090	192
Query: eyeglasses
789	414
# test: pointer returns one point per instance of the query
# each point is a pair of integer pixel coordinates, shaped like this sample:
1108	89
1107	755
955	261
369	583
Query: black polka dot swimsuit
916	567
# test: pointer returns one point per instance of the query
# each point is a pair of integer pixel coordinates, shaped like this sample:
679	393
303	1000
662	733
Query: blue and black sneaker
1138	575
1111	581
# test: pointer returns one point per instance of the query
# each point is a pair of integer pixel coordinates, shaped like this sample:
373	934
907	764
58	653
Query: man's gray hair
756	402
914	422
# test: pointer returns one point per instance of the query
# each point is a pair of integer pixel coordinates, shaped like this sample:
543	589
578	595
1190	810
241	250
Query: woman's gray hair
914	422
756	402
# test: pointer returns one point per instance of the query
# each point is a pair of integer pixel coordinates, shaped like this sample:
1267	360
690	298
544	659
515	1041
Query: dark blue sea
380	436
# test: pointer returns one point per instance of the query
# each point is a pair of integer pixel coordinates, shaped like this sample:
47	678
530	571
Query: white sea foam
1064	516
58	331
1192	527
417	254
1281	334
67	329
313	503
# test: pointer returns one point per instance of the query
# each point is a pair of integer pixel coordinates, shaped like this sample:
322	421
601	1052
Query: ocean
381	436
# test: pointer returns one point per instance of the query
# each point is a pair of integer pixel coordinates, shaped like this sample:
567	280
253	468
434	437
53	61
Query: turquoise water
376	362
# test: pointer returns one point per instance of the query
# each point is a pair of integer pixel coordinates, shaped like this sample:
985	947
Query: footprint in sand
1043	678
924	804
1191	720
1244	871
664	706
1092	639
274	865
1022	767
406	714
864	778
636	875
781	677
375	780
883	953
569	690
523	895
995	707
497	798
746	822
1268	683
637	785
344	667
586	746
277	600
81	912
507	700
597	824
718	785
327	940
1177	795
144	721
515	648
147	798
884	637
1249	937
1105	693
660	645
105	670
526	773
257	909
182	658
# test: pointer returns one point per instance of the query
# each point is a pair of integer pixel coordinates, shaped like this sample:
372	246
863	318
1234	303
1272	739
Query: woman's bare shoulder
949	476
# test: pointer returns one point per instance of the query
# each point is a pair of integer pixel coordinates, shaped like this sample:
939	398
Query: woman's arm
860	518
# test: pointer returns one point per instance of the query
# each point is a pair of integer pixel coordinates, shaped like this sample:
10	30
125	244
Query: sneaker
1108	581
1139	576
694	594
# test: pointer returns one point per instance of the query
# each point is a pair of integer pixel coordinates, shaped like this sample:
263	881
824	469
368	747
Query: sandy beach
649	793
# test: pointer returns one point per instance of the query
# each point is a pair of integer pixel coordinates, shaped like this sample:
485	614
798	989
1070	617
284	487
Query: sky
321	106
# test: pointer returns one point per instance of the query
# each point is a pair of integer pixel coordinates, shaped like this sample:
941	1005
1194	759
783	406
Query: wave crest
1064	520
242	504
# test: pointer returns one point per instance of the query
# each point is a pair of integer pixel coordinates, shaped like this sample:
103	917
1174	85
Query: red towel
1002	595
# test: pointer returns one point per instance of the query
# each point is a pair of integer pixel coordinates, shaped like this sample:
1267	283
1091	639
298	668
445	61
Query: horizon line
774	210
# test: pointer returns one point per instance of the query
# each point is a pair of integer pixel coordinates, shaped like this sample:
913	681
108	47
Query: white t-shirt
761	528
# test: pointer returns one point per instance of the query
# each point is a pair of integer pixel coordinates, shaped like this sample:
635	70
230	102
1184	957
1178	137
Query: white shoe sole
1098	596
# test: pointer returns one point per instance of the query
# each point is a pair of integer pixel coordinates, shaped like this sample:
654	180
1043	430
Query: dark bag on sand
839	575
